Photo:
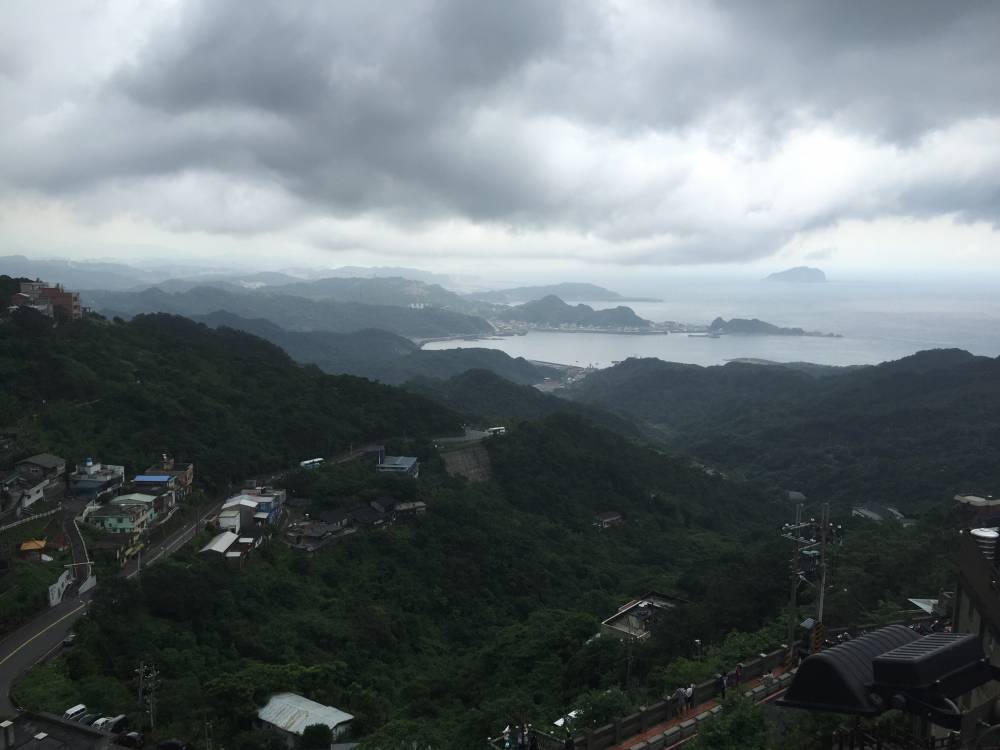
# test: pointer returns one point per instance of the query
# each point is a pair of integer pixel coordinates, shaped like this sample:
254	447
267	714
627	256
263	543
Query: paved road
172	543
35	640
28	645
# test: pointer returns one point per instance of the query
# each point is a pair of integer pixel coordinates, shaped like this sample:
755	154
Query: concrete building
183	474
405	465
255	506
159	505
122	519
977	610
607	519
52	301
93	479
637	619
290	714
42	466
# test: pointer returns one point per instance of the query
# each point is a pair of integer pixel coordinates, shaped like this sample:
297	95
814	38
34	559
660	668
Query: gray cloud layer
682	131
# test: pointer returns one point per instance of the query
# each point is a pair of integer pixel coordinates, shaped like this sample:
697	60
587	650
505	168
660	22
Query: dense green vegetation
484	395
552	311
381	626
911	433
448	627
231	402
381	355
291	312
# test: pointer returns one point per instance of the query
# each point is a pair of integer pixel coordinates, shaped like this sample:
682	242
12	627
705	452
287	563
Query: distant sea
877	321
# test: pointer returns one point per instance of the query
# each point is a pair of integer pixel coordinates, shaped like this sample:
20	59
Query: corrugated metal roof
133	497
153	478
293	713
401	461
221	542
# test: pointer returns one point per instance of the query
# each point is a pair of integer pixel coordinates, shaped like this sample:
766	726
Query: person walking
689	696
720	680
680	700
739	674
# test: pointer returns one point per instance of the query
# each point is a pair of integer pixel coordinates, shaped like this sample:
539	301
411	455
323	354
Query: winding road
42	636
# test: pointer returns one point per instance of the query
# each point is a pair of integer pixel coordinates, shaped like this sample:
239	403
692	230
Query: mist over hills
552	311
380	355
291	312
565	290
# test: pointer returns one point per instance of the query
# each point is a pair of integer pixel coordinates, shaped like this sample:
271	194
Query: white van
74	713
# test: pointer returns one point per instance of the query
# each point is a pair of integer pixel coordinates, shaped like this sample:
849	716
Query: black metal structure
893	668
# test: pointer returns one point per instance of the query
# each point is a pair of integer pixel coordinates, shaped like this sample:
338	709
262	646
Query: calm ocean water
877	321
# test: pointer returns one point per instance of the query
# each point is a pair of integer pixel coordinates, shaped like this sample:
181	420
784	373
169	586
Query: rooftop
153	478
133	498
112	511
46	460
57	734
402	462
221	542
293	713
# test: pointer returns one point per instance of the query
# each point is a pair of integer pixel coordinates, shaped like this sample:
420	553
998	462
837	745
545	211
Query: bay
877	322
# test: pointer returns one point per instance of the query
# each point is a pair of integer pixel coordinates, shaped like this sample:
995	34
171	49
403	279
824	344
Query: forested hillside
552	311
445	629
233	403
291	312
381	355
909	432
485	394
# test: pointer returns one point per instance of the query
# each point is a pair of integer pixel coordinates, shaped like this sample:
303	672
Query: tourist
739	674
689	697
720	680
680	699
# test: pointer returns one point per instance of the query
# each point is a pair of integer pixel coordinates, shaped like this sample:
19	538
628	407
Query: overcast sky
469	136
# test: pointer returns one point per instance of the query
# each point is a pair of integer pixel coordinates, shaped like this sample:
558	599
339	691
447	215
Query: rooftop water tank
986	540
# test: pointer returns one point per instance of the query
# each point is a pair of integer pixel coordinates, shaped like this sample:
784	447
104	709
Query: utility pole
792	533
819	630
800	544
148	683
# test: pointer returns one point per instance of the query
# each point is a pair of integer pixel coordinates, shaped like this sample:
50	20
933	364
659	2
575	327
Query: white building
290	714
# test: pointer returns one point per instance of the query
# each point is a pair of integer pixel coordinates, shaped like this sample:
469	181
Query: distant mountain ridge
552	311
753	326
799	274
292	313
380	355
565	290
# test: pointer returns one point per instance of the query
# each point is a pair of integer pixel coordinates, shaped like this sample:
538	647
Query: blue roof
153	478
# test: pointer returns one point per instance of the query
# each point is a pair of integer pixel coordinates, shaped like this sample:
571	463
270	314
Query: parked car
102	723
88	719
131	739
75	712
117	724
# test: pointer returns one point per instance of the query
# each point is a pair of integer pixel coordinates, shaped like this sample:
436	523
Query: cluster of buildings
126	510
50	300
311	532
244	520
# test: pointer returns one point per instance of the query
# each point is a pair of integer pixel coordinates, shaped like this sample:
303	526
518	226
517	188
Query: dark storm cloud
529	114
